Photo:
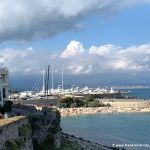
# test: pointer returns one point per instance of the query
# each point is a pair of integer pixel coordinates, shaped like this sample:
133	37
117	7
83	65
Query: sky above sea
96	41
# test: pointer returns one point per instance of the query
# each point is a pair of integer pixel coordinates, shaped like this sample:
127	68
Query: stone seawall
9	131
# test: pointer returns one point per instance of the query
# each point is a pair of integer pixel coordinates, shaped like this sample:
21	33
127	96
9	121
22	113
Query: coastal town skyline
103	40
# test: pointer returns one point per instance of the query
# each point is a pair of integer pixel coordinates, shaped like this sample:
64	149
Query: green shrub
20	142
54	129
93	104
108	105
67	101
62	105
11	146
48	144
24	131
15	145
89	98
79	103
101	104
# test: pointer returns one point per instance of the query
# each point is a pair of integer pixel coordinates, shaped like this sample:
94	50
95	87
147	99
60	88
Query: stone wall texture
10	132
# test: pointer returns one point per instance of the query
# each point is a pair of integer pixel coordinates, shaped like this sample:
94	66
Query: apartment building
4	85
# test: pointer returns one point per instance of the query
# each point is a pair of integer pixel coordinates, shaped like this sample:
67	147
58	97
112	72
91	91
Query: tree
66	101
7	107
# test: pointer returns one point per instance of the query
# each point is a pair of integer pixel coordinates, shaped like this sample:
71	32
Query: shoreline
79	113
116	107
80	143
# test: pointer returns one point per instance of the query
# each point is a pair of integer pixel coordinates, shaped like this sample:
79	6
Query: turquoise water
139	93
110	128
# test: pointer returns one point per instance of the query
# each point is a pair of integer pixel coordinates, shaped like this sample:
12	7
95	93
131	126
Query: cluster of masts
41	91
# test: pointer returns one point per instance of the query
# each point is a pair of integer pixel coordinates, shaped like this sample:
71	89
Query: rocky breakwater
130	106
81	144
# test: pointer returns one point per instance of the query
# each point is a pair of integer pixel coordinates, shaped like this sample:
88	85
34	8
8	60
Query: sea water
131	128
139	93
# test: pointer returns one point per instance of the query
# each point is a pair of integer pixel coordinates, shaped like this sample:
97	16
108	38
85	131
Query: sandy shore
124	106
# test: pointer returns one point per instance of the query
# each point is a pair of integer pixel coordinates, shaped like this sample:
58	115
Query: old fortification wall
39	124
9	131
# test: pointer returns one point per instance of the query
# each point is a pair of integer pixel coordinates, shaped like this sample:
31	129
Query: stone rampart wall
9	131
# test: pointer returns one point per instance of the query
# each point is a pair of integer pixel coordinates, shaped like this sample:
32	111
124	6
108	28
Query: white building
4	85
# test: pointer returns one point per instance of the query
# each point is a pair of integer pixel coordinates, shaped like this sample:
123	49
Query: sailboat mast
48	79
62	78
43	85
52	79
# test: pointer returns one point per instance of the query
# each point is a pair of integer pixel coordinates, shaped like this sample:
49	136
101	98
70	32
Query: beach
117	106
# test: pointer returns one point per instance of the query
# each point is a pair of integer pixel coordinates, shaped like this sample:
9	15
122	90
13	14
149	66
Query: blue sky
93	38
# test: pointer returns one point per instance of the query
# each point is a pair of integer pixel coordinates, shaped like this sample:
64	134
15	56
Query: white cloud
103	50
133	59
80	69
38	19
26	61
74	48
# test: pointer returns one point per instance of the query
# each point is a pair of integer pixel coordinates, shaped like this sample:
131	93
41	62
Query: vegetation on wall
52	126
15	145
47	144
24	131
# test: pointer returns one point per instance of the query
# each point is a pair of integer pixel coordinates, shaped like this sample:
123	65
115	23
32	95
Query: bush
101	104
54	129
108	105
89	98
93	104
24	131
79	103
48	144
70	102
62	105
16	145
11	145
66	102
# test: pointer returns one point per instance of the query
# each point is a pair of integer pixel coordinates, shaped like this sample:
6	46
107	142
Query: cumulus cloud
38	19
103	50
78	69
111	58
24	61
102	59
74	48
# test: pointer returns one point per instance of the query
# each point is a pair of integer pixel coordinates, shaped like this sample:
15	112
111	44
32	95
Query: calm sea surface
110	128
139	93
